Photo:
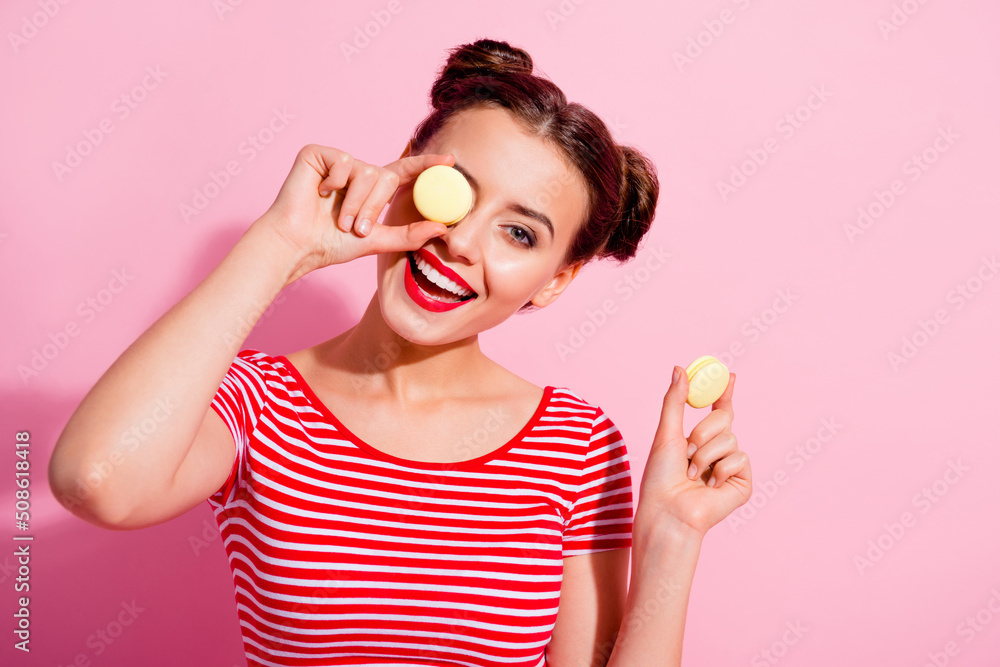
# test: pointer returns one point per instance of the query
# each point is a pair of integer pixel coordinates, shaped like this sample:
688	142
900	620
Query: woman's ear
559	282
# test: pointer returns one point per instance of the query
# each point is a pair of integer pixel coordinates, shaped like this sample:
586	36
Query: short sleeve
600	517
239	401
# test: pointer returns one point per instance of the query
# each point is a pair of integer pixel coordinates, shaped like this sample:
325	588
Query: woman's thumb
398	238
671	427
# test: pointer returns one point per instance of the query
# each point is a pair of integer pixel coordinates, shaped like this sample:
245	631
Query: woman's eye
522	236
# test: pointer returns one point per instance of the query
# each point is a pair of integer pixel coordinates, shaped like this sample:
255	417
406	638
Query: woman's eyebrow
514	206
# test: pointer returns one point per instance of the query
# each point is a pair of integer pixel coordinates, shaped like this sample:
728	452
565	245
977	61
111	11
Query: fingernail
323	193
348	220
711	480
692	471
364	226
677	374
691	449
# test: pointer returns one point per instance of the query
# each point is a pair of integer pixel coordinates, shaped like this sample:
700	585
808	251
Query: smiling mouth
434	291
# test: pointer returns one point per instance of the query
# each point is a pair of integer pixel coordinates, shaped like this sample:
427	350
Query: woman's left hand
669	496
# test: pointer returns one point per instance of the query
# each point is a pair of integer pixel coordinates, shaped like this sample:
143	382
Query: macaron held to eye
442	194
708	379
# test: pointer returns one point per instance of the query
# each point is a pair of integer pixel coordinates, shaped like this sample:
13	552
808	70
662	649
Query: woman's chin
405	318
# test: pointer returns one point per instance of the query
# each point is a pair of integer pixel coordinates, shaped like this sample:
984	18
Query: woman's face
502	250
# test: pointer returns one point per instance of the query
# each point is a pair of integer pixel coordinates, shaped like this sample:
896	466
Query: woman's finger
714	423
379	195
363	178
735	465
671	426
712	451
408	168
334	166
725	402
399	238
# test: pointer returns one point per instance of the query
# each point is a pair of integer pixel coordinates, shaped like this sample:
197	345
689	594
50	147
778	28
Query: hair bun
620	181
640	190
485	58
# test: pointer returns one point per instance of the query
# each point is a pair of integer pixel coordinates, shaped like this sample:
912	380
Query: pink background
843	442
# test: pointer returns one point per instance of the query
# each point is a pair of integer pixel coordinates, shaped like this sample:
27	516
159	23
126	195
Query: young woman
392	496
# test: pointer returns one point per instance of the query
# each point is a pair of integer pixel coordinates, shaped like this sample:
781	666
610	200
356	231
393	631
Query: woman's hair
622	183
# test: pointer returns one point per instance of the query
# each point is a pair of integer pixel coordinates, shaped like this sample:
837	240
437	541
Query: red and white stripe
344	555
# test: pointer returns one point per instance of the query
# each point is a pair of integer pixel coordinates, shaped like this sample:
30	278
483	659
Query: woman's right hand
328	193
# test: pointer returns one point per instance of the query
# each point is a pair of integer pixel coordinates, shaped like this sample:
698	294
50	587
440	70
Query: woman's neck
383	362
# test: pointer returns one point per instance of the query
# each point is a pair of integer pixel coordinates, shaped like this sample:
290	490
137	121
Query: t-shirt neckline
425	465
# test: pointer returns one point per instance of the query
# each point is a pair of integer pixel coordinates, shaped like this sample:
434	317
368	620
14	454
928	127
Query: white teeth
435	277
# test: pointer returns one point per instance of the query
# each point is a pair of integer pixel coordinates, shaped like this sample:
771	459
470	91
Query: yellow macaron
442	194
708	378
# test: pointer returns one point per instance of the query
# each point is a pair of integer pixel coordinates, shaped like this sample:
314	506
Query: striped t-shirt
345	555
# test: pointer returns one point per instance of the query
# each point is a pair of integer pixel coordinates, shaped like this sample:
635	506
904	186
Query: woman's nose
464	238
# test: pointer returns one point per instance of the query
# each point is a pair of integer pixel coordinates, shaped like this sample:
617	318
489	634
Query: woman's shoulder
517	385
260	363
557	396
255	357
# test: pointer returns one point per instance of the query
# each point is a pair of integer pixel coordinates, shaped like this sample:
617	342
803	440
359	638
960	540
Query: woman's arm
652	630
120	460
122	447
689	484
